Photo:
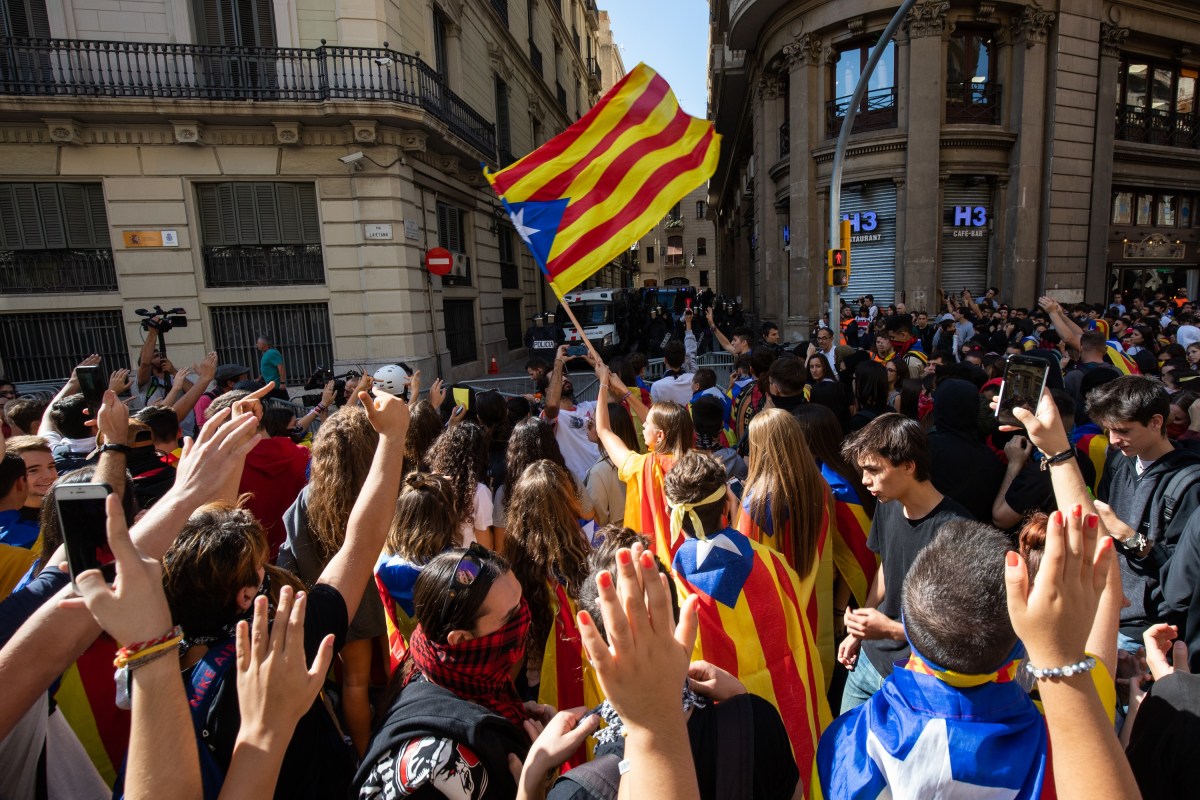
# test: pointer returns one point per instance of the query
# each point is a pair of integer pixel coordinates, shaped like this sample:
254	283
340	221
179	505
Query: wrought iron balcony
1158	126
263	265
877	112
976	103
84	68
593	72
38	271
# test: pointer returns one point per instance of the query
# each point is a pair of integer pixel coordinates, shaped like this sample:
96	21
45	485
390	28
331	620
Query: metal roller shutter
873	244
966	243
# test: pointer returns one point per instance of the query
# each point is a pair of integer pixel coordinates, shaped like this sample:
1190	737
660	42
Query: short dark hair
788	374
24	411
708	416
637	361
1129	398
1092	342
743	333
899	322
275	420
12	469
705	378
537	362
694	477
67	414
163	422
429	594
954	602
761	359
674	354
766	328
892	436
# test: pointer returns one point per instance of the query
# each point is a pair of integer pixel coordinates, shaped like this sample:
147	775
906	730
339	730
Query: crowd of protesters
834	576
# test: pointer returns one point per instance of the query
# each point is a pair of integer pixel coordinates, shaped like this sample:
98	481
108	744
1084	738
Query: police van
610	319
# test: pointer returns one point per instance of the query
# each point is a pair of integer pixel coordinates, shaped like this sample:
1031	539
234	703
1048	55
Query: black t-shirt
898	540
318	762
1032	490
1164	748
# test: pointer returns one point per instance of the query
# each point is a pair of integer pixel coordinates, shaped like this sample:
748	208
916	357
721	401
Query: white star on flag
926	772
705	546
523	230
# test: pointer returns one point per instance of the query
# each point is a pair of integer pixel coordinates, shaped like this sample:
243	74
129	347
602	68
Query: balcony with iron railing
218	73
877	112
1161	126
50	271
973	103
593	73
263	265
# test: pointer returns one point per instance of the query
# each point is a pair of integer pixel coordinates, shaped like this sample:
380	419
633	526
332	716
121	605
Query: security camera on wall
352	158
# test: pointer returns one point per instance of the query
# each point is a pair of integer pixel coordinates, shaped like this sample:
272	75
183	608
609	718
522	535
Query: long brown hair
424	524
424	427
460	454
785	483
341	459
823	434
544	540
676	424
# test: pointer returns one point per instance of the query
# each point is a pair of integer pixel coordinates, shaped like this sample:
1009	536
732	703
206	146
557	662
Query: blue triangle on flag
537	224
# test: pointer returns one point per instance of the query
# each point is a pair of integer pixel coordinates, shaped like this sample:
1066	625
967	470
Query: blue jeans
1128	644
862	682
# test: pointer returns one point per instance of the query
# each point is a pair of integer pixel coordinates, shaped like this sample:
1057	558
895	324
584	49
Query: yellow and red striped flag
584	197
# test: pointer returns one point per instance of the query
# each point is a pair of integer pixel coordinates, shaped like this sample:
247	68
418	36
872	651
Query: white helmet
393	379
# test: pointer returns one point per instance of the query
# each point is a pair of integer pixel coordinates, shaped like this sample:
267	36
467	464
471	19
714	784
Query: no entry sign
439	261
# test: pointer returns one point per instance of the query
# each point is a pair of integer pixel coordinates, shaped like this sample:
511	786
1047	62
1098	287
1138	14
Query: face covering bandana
679	511
478	669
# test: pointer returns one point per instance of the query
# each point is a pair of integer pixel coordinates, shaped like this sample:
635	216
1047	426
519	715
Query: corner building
201	154
1048	148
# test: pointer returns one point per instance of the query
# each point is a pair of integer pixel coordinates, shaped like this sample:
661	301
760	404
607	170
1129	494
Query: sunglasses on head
467	572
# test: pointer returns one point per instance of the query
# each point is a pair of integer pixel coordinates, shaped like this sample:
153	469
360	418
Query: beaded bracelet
1078	668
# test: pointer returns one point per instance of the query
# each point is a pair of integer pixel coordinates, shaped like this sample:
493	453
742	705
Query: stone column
1022	210
926	26
1111	39
806	274
770	303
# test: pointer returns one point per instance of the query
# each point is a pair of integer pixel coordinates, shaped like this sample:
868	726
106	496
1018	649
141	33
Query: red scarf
477	670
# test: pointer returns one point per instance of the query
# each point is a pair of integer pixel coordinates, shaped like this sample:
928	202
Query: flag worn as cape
646	502
816	588
1090	440
395	578
87	697
568	680
919	736
855	562
753	624
584	197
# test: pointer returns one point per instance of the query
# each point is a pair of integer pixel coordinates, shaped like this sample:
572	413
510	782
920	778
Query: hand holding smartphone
92	384
84	525
1024	382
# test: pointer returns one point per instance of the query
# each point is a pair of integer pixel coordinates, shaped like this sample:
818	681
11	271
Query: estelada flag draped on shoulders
585	196
855	562
753	623
646	501
568	679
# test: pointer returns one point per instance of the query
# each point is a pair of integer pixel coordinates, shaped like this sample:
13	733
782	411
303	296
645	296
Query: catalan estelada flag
395	578
1114	350
855	562
86	696
753	623
582	198
568	680
1090	440
646	501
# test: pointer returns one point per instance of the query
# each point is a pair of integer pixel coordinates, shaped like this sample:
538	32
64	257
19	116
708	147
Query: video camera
324	375
162	320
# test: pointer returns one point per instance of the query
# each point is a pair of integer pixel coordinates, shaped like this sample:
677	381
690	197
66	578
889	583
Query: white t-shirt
483	515
675	388
570	429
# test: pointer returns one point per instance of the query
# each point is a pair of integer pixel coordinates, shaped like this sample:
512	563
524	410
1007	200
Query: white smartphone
83	520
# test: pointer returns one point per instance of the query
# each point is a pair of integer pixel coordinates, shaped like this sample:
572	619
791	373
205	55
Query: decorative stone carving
188	131
927	18
499	61
447	164
1112	37
803	50
768	86
413	141
855	25
366	131
287	133
1033	25
65	131
985	10
536	111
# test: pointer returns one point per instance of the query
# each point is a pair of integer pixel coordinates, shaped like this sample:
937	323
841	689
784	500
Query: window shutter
443	225
291	228
53	226
98	215
227	208
246	221
309	222
268	213
79	218
210	215
264	34
10	221
27	214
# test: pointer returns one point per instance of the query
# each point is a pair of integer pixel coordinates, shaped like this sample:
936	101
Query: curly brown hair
424	523
544	541
531	440
460	454
424	427
341	459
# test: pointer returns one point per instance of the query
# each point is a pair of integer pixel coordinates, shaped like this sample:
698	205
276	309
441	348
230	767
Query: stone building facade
276	168
680	250
1047	147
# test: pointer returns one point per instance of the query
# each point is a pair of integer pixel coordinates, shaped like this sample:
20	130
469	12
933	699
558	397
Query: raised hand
252	403
1160	643
118	381
437	393
388	414
180	379
206	370
328	393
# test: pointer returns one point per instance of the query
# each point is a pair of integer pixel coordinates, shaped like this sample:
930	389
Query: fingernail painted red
1078	511
604	580
1058	518
647	561
1092	521
1010	558
624	556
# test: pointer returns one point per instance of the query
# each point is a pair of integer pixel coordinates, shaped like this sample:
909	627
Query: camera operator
155	371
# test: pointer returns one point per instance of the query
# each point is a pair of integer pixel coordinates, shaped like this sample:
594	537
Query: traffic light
838	261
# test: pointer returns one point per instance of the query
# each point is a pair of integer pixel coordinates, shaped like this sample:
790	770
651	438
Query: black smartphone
1024	382
576	350
84	524
92	384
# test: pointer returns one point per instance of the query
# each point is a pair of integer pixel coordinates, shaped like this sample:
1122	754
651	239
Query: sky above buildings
671	36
